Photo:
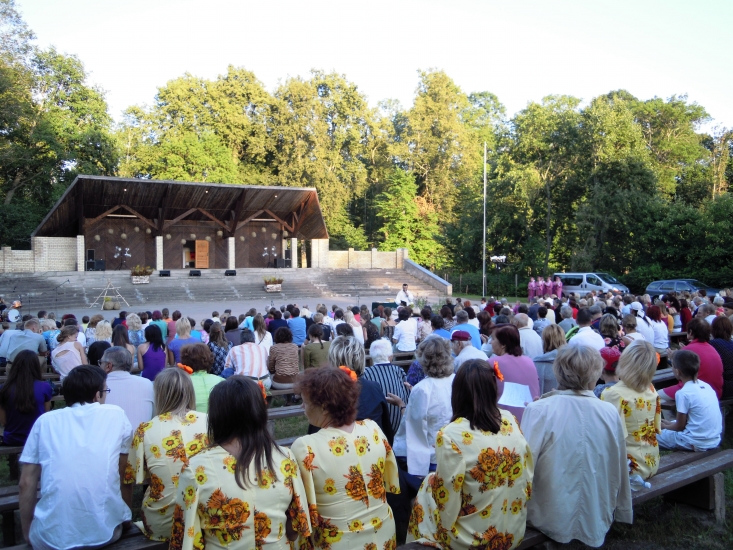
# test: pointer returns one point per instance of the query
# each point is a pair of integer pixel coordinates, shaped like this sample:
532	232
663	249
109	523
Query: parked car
679	285
582	283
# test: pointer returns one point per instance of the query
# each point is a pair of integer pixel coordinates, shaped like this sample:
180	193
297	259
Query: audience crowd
541	413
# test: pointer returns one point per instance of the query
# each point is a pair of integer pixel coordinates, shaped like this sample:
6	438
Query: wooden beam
104	215
139	215
213	218
186	214
286	224
80	208
237	213
163	208
301	211
248	218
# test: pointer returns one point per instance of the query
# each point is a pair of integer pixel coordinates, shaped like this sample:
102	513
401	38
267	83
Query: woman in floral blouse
243	491
639	406
478	495
162	447
347	467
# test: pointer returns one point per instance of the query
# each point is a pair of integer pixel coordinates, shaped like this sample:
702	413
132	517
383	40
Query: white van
582	283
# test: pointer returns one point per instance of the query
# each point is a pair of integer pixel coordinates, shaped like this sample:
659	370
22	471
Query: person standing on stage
531	288
557	288
405	296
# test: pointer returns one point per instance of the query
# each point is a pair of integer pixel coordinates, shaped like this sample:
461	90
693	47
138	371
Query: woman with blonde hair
102	332
150	458
135	331
262	337
553	338
639	406
358	329
91	331
183	337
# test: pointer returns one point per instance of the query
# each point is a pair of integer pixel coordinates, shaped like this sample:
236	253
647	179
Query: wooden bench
131	539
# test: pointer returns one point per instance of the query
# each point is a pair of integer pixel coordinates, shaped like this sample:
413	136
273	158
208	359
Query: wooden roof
159	203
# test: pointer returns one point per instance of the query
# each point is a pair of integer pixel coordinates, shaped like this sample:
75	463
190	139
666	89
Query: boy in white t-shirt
699	422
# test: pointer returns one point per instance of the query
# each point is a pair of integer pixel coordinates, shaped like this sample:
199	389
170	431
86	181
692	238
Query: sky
521	50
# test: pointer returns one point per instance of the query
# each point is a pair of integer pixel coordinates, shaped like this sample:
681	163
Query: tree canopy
617	183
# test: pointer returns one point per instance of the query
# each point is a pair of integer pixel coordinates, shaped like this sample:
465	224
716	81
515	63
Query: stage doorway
196	254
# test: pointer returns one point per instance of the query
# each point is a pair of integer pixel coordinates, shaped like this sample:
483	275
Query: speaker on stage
99	265
164	273
287	253
194	273
90	254
230	273
287	262
90	265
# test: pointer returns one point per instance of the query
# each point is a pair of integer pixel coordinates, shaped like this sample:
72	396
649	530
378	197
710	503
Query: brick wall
46	254
371	259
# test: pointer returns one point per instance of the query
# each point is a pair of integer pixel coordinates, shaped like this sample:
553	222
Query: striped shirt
283	360
248	360
391	378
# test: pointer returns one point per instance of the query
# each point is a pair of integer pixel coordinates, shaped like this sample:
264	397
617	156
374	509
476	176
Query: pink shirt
520	370
711	368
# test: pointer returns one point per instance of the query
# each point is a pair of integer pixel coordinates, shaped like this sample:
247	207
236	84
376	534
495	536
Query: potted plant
141	274
273	284
108	304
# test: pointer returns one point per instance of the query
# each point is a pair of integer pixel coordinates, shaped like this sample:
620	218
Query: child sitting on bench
699	422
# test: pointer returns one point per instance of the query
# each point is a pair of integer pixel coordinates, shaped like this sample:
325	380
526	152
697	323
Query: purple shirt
153	362
18	425
176	344
519	370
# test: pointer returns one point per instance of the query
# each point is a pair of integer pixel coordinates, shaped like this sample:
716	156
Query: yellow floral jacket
212	511
642	421
478	495
346	478
160	449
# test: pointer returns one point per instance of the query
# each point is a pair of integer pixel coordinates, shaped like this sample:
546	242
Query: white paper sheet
515	395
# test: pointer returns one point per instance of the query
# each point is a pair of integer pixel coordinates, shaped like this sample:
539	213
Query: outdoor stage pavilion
182	225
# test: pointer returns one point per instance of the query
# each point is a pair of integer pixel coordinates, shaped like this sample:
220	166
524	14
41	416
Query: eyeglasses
107	390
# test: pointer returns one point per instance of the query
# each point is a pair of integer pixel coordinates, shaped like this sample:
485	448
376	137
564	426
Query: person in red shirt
711	366
685	314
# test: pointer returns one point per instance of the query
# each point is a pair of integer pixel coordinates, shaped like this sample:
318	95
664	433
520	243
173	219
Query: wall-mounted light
264	230
220	233
241	238
274	236
123	236
254	233
111	231
97	237
193	236
208	238
137	229
168	236
183	241
148	231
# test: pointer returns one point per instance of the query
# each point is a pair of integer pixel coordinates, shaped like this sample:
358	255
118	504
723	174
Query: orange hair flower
263	390
497	372
188	369
348	371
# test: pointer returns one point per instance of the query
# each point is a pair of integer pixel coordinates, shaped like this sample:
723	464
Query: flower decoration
263	390
350	372
186	368
497	372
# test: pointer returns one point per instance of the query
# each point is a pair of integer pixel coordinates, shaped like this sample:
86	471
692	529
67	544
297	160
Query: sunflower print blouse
212	511
347	477
160	449
477	497
642	421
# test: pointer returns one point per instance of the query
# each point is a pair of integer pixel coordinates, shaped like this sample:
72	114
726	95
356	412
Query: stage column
294	252
232	253
80	253
159	252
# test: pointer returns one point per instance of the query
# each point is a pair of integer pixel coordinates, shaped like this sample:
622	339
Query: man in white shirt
133	394
79	453
405	332
586	336
405	296
530	341
464	350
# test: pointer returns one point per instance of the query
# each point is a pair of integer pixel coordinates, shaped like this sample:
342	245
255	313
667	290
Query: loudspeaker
194	273
230	273
287	262
287	253
90	265
99	265
90	254
164	273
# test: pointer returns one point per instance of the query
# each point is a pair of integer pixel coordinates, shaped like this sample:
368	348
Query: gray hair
566	312
595	310
434	356
577	367
521	319
119	358
718	301
708	309
103	331
462	317
380	351
347	351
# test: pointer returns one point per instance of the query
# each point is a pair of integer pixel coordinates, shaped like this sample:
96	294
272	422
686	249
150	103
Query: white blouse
428	411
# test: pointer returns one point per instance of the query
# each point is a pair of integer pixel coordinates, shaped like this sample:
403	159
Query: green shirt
163	326
203	383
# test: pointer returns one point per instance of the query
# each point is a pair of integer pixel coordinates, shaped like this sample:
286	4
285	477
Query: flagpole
483	277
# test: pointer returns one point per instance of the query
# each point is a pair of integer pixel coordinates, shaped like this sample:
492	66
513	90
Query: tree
409	221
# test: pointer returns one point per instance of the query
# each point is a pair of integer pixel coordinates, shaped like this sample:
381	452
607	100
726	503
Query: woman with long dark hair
240	491
484	464
121	338
315	353
232	331
151	357
219	346
23	398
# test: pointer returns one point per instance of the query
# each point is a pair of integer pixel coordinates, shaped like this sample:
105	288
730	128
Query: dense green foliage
618	184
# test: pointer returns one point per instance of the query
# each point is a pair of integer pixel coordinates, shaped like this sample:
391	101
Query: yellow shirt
212	511
160	449
346	478
642	421
478	494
